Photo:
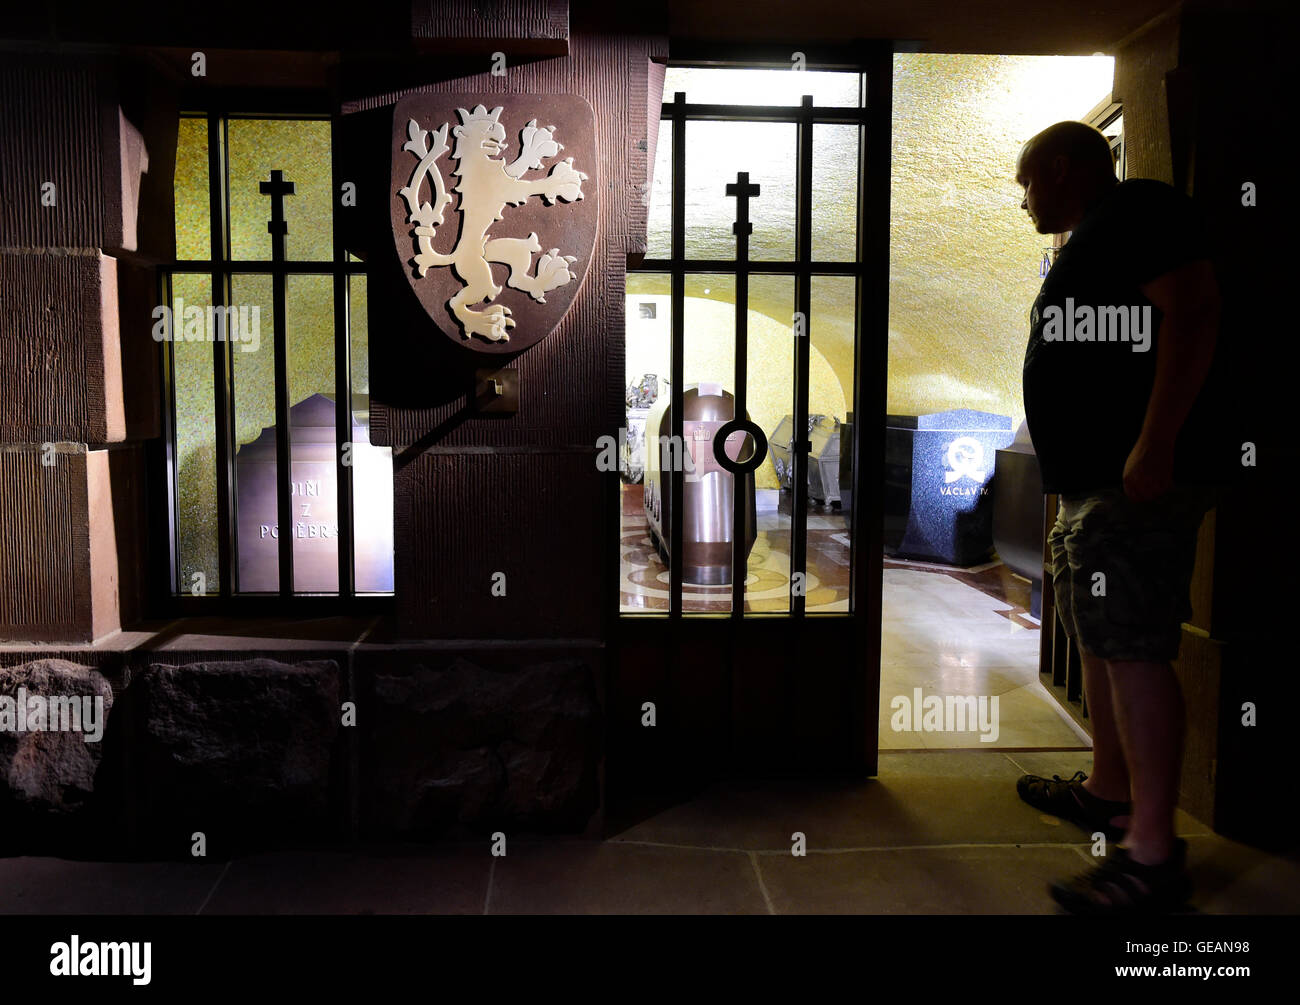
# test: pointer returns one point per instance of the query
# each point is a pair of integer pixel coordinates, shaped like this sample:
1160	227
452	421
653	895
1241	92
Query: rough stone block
244	752
52	161
46	768
73	160
464	748
60	359
58	545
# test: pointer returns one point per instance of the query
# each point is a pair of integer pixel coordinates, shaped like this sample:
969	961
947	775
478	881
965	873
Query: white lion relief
487	185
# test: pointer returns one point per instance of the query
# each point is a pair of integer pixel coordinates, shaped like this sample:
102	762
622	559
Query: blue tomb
937	473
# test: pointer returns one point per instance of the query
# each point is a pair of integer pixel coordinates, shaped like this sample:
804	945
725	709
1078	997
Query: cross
277	188
743	191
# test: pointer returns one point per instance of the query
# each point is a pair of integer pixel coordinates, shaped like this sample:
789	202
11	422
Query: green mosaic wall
301	150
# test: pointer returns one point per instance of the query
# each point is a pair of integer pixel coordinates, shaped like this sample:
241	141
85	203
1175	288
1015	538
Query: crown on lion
479	114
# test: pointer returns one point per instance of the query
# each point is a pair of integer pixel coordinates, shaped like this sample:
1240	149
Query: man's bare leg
1149	712
1109	777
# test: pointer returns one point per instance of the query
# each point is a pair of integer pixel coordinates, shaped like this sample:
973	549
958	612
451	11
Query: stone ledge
225	634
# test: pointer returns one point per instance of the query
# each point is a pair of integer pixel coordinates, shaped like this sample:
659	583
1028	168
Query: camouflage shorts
1122	570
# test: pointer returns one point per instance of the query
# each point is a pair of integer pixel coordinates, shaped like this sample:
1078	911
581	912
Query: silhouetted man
1121	341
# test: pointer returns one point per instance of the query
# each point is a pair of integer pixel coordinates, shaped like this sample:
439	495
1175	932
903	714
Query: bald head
1064	170
1086	149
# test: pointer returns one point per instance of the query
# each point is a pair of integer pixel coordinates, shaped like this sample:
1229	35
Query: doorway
963	541
755	324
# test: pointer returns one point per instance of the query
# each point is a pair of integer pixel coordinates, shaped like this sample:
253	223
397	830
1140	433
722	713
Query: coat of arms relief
485	186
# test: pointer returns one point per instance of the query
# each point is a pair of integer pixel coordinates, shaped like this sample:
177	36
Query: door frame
791	692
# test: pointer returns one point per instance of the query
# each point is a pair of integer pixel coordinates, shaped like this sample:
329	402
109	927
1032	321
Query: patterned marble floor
645	577
948	633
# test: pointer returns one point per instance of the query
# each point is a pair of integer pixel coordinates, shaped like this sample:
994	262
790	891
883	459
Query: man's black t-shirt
1091	359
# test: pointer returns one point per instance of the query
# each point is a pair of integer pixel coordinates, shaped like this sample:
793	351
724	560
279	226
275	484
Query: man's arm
1188	297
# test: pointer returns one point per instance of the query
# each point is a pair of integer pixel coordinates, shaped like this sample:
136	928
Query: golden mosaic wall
964	258
301	149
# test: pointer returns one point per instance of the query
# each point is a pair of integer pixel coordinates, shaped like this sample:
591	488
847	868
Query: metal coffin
708	522
823	458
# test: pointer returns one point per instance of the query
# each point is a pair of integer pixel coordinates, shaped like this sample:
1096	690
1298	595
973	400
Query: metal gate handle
720	446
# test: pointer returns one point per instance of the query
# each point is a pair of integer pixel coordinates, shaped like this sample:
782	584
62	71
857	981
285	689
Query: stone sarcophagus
314	491
937	470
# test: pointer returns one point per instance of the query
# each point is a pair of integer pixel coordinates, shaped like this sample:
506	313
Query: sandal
1122	886
1068	799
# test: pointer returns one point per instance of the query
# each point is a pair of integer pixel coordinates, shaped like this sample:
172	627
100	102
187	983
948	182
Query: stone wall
206	753
81	391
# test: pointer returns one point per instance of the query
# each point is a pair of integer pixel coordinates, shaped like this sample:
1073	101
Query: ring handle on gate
720	446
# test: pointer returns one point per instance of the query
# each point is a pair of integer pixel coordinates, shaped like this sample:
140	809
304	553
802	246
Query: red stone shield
518	205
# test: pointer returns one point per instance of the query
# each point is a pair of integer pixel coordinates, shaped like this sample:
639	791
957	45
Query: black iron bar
167	370
743	192
755	267
277	188
345	449
223	399
800	445
322	267
769	113
677	450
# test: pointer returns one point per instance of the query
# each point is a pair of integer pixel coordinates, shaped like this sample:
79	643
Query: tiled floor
948	637
935	833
